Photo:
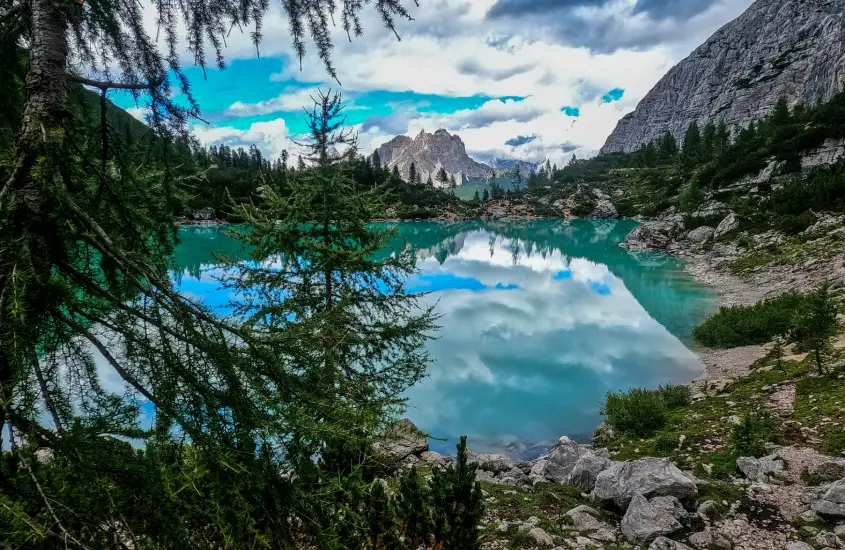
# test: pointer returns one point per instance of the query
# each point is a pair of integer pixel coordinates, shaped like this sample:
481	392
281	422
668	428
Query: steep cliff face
777	48
429	152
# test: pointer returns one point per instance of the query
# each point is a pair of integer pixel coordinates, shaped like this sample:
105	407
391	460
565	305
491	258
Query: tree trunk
47	92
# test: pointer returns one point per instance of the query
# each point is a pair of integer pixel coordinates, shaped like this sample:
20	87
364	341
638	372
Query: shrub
835	443
750	436
746	325
641	412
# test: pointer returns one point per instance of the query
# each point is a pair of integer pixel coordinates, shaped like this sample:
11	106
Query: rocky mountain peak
777	48
430	151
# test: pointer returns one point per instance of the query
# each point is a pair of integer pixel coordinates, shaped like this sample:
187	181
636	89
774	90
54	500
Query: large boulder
584	519
403	439
586	470
671	506
562	459
729	224
643	522
604	208
650	236
832	501
649	477
496	463
701	235
760	469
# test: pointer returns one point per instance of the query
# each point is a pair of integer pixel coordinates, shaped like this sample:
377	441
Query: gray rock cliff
777	48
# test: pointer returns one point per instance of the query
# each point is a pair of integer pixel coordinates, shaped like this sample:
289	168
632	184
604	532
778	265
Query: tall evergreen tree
668	148
453	184
691	152
708	141
442	178
412	173
517	178
485	196
86	246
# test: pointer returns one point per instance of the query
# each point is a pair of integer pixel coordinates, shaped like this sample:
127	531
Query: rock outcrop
832	501
643	523
777	48
429	152
649	477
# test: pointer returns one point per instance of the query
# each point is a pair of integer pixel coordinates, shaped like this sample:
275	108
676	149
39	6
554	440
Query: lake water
539	321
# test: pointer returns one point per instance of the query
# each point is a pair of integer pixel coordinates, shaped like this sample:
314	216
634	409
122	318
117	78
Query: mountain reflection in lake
539	320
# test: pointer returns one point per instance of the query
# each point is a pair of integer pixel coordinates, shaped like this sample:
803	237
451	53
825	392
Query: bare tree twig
104	85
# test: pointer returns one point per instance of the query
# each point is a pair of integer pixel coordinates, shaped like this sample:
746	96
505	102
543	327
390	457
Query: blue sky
528	79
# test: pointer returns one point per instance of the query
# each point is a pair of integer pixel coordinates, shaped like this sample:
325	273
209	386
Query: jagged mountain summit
429	152
777	48
509	164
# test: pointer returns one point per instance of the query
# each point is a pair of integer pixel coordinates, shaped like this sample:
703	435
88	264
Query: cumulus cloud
271	137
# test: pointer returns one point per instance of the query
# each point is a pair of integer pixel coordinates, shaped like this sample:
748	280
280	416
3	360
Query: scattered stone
643	522
649	477
798	545
760	469
586	470
734	420
435	459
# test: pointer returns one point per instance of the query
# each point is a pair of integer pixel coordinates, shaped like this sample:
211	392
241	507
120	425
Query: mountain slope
429	152
789	48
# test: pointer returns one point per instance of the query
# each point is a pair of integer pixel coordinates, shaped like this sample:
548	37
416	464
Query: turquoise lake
539	321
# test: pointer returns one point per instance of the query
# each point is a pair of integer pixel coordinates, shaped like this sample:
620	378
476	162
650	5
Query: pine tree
453	184
485	196
692	145
442	178
413	509
376	160
428	182
418	179
412	173
517	178
457	503
814	324
708	142
668	148
476	197
780	114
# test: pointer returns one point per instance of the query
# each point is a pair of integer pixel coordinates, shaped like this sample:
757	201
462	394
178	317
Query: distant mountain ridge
428	152
776	48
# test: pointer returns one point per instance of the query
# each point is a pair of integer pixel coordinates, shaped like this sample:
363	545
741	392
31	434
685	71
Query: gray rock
662	543
586	470
643	522
798	545
649	477
832	501
562	458
403	438
728	224
670	505
760	469
203	214
701	234
435	459
721	542
495	463
604	209
649	236
539	467
707	509
584	519
701	541
828	539
540	537
780	48
828	471
603	433
830	151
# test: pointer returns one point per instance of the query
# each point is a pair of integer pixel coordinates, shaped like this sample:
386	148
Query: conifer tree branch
105	85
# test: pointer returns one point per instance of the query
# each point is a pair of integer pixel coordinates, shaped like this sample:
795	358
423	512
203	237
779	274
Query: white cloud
271	137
